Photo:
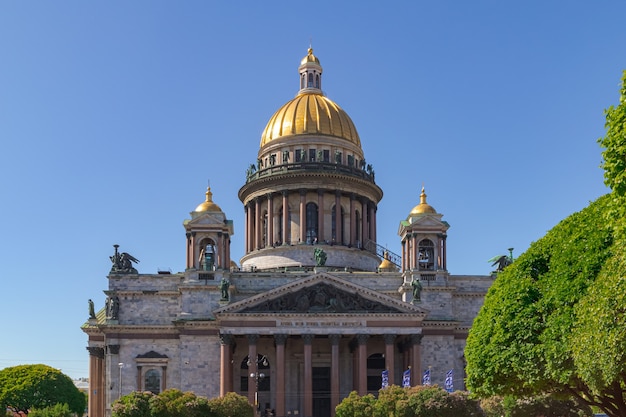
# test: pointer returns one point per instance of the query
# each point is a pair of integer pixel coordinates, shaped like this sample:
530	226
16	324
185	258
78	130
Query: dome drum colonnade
311	184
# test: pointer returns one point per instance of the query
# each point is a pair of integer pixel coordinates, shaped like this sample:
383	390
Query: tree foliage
554	321
57	410
27	387
614	144
419	401
541	406
175	403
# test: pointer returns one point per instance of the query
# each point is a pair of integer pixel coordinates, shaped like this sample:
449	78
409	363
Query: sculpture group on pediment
321	298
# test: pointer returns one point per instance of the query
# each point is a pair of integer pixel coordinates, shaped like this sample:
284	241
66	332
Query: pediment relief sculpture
320	298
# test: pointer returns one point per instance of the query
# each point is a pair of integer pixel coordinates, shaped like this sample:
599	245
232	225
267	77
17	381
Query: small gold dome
310	58
208	204
310	114
423	207
387	265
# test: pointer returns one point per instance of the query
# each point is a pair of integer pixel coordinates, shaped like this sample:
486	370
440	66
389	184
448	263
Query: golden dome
309	58
310	114
208	204
423	207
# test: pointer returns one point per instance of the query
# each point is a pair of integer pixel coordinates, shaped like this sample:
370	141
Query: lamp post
121	365
257	376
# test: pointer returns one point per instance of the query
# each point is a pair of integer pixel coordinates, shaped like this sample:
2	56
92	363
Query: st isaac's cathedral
314	310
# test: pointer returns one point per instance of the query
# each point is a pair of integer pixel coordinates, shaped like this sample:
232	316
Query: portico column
352	221
308	374
270	221
334	372
280	340
252	367
320	216
415	246
285	218
403	256
364	216
362	354
416	366
249	228
220	252
302	216
226	368
375	209
338	218
390	359
96	382
258	223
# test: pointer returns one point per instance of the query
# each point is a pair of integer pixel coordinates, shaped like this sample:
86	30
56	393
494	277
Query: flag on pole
426	377
449	384
406	378
385	377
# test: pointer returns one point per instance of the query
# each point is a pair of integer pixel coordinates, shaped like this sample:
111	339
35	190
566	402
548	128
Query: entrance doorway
321	391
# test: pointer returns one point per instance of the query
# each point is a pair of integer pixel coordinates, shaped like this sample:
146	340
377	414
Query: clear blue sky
114	115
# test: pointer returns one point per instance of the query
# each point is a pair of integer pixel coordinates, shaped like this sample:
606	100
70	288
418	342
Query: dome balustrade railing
364	173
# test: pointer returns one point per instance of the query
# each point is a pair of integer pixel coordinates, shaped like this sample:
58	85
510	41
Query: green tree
356	406
521	342
26	387
57	410
614	144
231	405
553	322
541	406
135	404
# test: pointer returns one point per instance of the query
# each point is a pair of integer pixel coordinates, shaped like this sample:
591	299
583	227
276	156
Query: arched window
208	254
311	223
310	84
152	381
426	255
375	367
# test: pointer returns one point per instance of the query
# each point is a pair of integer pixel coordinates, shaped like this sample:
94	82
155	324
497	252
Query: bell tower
423	235
208	237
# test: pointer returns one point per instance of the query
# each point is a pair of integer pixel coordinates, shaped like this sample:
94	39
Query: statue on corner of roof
122	262
92	311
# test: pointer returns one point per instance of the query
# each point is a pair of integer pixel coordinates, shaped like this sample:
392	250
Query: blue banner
426	377
406	378
449	383
385	377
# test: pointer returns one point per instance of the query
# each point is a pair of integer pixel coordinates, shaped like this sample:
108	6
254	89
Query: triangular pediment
208	219
321	293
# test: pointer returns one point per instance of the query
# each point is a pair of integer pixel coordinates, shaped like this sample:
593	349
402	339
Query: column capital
98	352
362	338
226	339
280	339
389	339
252	338
416	339
334	339
308	338
113	349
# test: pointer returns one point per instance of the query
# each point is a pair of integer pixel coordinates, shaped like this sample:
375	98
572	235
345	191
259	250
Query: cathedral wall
200	365
148	309
440	353
144	282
